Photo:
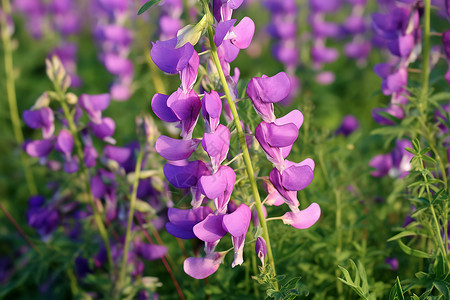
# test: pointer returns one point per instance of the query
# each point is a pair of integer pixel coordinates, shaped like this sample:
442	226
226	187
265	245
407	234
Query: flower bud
261	249
191	33
42	101
72	98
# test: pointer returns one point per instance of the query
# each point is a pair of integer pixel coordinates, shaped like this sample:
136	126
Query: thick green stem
97	216
137	173
11	93
247	160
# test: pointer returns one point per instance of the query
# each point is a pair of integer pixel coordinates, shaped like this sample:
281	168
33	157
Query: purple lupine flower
149	251
294	178
401	31
264	91
39	148
202	267
211	110
44	218
446	44
218	187
216	144
185	176
261	249
180	107
395	164
181	222
173	149
237	224
114	40
42	118
304	218
392	262
93	105
349	124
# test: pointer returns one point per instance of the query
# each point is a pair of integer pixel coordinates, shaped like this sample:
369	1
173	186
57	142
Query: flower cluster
355	27
321	30
395	164
61	17
212	181
276	137
400	29
115	40
283	28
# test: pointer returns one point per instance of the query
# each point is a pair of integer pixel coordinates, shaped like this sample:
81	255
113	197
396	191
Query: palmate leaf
359	285
147	6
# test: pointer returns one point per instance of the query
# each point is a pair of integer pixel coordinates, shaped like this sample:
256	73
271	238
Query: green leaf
402	234
147	5
443	96
443	287
413	252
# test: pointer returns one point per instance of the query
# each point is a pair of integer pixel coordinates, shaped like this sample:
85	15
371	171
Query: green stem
11	93
426	51
338	225
437	231
90	199
126	247
247	160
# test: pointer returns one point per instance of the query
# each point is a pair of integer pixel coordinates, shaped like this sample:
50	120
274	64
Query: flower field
225	149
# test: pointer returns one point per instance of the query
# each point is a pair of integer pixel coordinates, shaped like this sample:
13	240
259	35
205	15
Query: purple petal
296	178
151	252
216	144
261	249
185	176
160	108
182	221
304	218
64	142
117	65
211	110
119	154
222	30
169	59
103	129
238	221
244	33
210	229
295	117
200	268
94	105
39	148
382	164
175	149
269	89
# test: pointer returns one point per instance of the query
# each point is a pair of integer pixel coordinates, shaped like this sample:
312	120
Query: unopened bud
191	33
42	101
71	98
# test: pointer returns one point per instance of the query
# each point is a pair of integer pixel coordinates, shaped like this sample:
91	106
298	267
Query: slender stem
426	50
338	225
247	160
19	229
90	199
436	223
11	93
126	247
